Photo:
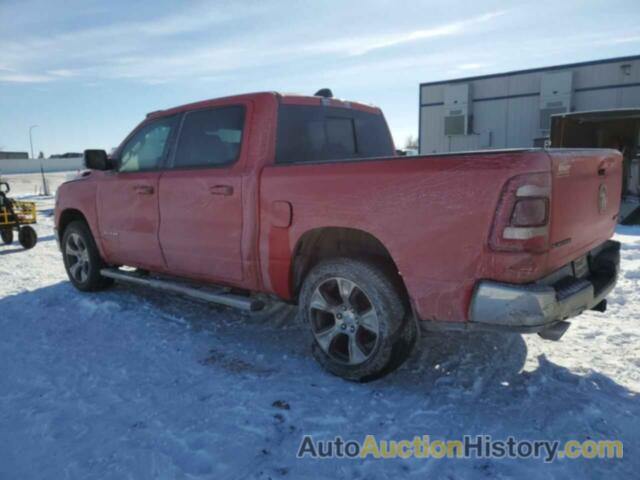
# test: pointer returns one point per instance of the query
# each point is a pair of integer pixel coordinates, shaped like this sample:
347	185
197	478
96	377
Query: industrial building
513	110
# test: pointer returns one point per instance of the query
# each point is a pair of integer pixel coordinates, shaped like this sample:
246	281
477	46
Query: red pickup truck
303	198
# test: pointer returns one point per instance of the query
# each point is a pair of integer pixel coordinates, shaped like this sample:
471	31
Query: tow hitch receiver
601	307
555	331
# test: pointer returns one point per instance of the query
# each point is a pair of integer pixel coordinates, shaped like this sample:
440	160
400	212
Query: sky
86	72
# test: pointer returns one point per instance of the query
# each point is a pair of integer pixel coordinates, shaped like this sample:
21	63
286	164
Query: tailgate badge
602	198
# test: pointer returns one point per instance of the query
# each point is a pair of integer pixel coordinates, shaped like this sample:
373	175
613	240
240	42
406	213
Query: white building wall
506	108
32	165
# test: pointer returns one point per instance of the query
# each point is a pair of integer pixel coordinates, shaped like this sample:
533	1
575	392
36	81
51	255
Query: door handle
225	190
143	189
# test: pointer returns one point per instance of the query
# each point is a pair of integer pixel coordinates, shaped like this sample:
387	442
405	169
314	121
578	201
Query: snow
132	383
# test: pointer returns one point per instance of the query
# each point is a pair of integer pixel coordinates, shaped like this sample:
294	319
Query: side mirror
96	160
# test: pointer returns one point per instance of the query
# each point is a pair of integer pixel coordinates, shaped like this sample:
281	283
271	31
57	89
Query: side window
210	137
146	149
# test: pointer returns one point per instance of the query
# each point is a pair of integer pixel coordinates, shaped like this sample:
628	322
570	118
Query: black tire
322	302
7	236
82	259
404	346
27	237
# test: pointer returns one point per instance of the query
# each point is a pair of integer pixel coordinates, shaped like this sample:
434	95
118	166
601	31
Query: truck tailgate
586	188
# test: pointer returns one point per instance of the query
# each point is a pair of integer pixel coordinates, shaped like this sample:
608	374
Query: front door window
146	149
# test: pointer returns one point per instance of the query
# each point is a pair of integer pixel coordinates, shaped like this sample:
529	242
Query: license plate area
581	267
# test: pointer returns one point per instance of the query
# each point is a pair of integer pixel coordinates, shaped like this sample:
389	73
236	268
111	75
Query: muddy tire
356	319
404	346
82	259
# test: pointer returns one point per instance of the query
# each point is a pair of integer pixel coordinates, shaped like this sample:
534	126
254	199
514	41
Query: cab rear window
318	133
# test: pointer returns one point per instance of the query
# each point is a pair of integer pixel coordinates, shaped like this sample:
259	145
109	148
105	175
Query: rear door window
210	138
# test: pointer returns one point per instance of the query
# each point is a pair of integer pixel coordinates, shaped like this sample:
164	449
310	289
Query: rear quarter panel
433	214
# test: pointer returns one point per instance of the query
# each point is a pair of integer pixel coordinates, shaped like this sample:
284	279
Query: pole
45	189
31	138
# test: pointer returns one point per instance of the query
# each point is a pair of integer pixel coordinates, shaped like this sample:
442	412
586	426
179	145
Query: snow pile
131	383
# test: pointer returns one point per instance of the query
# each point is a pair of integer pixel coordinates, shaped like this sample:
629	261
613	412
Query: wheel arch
322	243
70	215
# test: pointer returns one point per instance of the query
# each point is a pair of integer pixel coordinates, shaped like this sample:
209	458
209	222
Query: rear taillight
522	217
530	212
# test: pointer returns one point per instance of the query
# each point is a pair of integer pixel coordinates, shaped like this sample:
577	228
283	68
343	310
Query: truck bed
434	214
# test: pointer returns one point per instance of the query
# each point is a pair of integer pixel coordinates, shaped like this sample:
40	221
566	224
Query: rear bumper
539	306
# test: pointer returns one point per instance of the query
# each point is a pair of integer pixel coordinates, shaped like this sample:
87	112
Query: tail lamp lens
530	212
521	222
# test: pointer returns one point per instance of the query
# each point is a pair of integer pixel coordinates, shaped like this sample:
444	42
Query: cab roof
283	98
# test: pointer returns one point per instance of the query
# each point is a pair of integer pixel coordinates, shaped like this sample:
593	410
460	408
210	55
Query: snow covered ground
131	383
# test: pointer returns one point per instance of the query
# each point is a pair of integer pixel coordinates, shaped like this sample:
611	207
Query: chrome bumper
538	306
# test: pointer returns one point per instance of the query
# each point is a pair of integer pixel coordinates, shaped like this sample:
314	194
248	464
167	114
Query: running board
220	297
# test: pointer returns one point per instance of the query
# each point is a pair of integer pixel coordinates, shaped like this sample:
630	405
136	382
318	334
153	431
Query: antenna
324	92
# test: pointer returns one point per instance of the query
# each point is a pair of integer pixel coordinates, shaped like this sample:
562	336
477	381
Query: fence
32	165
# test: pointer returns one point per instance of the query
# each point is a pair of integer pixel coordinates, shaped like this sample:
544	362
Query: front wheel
356	319
82	259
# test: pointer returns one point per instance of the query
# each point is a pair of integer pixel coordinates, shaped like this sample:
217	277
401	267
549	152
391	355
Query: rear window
313	133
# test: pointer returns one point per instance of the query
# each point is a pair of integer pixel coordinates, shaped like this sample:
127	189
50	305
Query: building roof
534	70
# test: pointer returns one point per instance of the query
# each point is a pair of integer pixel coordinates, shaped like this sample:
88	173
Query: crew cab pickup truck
303	198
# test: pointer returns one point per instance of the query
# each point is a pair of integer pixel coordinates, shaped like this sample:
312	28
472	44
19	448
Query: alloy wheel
77	257
344	321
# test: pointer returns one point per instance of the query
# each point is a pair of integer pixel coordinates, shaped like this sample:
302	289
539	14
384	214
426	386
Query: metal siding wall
629	97
490	87
491	116
431	120
460	143
522	122
514	122
595	100
521	84
432	129
432	94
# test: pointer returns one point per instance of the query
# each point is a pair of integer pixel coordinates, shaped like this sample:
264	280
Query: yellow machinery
17	216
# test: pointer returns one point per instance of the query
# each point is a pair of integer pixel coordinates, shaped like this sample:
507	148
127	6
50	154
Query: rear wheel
7	236
355	316
82	259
